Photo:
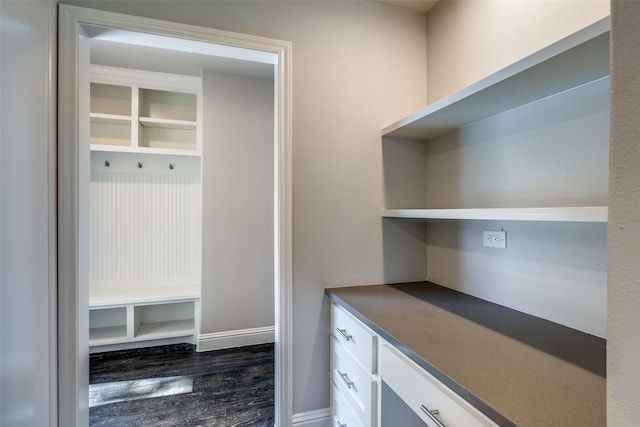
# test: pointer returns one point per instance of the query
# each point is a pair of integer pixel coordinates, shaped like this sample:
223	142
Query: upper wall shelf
571	62
558	214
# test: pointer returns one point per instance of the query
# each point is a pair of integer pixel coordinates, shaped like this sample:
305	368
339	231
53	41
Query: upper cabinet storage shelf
139	111
578	59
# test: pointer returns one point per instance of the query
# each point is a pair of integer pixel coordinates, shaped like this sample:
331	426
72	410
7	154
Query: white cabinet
138	111
353	368
572	64
363	364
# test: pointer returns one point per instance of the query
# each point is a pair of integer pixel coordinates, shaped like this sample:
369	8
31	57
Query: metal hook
172	165
139	165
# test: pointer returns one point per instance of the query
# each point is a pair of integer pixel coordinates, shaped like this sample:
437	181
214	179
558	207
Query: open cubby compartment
110	131
170	105
110	99
107	325
170	319
156	135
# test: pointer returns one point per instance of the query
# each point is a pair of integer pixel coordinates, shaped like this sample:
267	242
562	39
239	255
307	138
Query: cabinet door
431	400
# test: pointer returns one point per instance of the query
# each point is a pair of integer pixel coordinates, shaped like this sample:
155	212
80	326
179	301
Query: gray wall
237	202
623	345
550	153
357	66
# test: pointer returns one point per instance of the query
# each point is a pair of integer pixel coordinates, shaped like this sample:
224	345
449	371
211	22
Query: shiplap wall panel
143	222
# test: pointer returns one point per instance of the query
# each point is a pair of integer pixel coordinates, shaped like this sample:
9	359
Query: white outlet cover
494	239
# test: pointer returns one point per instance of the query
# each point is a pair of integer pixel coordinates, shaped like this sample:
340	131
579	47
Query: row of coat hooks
172	165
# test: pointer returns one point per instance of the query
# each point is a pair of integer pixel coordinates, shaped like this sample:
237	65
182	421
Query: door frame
73	177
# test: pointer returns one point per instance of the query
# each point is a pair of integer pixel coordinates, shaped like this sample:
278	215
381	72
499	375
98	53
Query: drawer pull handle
343	332
345	379
431	413
340	424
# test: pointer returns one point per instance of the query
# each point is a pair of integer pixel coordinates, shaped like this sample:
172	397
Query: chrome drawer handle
431	413
345	379
340	424
343	332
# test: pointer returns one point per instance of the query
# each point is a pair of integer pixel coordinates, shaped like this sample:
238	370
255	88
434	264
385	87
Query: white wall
27	213
471	39
357	66
623	345
237	234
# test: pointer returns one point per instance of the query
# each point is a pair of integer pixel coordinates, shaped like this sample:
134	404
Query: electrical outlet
494	239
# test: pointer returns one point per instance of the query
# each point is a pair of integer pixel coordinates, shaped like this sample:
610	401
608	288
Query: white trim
317	418
237	338
73	302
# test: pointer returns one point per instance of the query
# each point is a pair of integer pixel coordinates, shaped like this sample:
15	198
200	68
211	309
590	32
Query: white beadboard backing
144	221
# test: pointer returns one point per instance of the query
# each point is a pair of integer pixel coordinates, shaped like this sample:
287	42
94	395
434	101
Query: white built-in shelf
576	60
164	329
137	111
147	150
168	123
109	294
110	118
121	314
560	214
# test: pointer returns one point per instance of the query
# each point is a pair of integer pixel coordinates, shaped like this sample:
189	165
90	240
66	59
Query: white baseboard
237	338
317	418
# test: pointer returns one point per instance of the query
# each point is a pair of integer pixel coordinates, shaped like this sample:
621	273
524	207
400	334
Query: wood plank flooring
176	386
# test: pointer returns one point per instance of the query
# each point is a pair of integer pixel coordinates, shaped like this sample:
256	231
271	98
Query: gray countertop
515	368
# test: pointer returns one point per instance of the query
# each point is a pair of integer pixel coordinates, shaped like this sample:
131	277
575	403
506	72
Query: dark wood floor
176	386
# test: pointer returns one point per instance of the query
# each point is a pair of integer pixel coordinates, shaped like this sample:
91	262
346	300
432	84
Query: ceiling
127	49
417	5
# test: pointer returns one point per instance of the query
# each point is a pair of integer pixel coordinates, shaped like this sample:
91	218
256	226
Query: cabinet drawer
423	393
355	337
354	383
343	414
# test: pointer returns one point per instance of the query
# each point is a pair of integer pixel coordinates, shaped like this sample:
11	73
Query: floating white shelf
573	214
578	59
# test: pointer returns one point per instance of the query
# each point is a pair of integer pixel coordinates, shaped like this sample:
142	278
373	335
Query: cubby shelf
136	111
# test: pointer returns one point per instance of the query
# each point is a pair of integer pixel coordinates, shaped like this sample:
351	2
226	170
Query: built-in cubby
107	325
146	320
145	207
144	112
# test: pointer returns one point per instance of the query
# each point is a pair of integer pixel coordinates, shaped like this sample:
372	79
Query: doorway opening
143	126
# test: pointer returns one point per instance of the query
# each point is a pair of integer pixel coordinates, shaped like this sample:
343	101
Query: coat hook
139	165
172	165
106	163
